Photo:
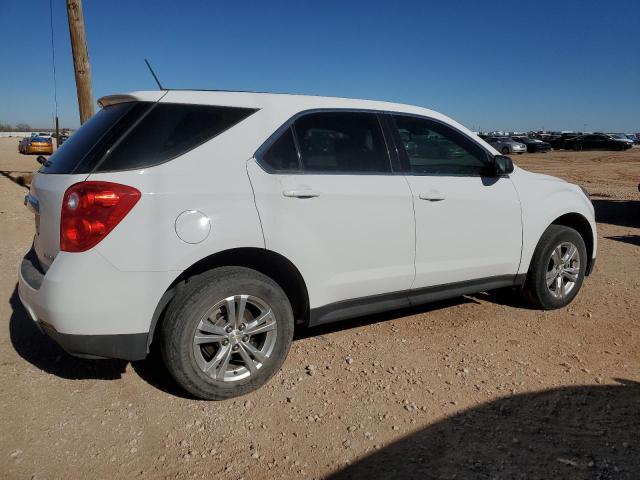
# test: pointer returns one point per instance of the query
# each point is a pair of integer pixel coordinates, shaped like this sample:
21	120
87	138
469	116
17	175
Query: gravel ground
475	387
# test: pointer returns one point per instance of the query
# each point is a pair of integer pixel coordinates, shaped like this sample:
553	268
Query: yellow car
41	145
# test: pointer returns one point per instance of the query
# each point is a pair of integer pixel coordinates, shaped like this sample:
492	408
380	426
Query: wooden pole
80	59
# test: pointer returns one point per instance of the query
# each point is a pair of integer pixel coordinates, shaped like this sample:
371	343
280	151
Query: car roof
278	106
292	102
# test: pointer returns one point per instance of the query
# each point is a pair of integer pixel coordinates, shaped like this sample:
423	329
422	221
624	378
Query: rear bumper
131	346
90	308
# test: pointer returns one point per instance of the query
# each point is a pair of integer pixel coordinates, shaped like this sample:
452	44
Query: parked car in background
63	138
634	138
506	145
40	145
595	142
621	137
533	144
23	143
559	142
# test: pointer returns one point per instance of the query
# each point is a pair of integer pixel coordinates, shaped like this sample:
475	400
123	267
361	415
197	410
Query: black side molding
385	302
131	346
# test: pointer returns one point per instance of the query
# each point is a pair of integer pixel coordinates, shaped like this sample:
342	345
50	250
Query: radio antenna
154	75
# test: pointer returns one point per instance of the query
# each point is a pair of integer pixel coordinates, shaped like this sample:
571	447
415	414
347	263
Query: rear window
140	134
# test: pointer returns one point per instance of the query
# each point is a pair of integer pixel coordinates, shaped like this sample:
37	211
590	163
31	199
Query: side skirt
408	298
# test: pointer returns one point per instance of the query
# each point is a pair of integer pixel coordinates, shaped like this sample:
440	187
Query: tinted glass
282	154
69	156
169	130
342	142
435	148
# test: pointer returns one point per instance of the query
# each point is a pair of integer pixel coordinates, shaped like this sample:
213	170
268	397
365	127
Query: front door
468	223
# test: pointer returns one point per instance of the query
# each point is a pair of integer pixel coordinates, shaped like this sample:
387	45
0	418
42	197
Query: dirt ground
476	387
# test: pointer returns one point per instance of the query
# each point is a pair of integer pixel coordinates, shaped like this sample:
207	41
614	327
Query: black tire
577	147
186	311
536	292
505	150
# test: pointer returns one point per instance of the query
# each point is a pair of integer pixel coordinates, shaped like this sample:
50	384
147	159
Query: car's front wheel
557	268
226	332
505	150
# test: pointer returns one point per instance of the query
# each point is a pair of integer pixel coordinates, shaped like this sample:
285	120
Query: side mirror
503	165
41	160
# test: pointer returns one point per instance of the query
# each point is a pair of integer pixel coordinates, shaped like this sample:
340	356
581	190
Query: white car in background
211	223
506	145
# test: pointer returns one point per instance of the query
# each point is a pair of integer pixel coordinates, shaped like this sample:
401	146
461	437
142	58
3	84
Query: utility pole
80	59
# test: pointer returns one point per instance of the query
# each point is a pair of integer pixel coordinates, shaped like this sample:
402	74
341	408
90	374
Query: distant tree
5	127
23	127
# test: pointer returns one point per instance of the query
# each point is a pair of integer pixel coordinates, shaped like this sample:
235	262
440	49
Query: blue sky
490	65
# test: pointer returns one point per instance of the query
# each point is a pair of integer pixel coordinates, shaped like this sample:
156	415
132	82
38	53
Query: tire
206	296
505	150
577	147
536	292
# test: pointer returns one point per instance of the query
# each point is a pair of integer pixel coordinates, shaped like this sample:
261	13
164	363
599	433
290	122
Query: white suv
212	222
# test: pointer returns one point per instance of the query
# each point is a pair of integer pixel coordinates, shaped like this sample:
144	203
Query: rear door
329	201
468	224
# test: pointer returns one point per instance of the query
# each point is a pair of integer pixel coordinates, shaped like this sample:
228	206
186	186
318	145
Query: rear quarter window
169	130
135	135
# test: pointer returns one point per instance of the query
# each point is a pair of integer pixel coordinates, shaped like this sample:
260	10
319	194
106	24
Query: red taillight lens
90	210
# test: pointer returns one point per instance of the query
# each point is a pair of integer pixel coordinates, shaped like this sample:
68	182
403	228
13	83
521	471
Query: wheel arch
272	264
580	224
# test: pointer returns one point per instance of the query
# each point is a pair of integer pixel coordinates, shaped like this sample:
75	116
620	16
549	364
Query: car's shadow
42	352
45	354
630	239
625	213
582	432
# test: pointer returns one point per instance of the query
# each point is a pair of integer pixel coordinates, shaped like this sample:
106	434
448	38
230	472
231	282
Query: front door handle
301	193
432	196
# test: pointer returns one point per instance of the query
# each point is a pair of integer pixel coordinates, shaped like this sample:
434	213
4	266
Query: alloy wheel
563	270
235	338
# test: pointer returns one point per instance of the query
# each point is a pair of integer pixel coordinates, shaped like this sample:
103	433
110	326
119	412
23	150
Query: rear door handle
432	196
301	193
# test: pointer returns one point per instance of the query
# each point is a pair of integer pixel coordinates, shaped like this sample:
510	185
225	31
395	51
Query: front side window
342	142
431	147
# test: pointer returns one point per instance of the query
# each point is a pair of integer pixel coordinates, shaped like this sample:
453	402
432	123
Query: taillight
90	210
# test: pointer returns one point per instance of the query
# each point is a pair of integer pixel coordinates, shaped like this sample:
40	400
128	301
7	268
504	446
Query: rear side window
342	142
170	130
139	135
282	154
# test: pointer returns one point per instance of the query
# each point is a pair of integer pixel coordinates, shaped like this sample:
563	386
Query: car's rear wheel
227	332
505	150
557	268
